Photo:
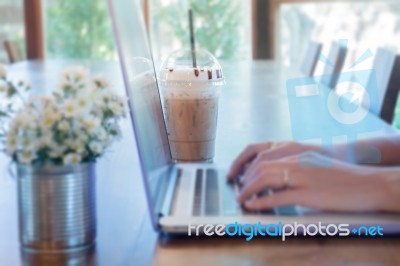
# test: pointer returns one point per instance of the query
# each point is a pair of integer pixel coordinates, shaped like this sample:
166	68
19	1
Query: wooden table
253	108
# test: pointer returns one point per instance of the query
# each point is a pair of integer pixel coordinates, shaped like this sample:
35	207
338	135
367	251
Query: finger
253	170
244	157
276	153
260	183
284	198
245	167
277	166
251	166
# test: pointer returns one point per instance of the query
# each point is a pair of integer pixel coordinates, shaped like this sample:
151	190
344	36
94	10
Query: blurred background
230	29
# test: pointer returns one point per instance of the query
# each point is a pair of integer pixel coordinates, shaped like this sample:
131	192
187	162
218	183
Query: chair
387	68
382	85
333	67
311	58
13	53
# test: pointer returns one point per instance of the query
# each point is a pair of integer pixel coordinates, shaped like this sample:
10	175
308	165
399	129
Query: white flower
100	134
72	158
56	150
91	123
26	156
50	117
63	126
84	104
74	79
76	123
3	72
76	144
26	142
76	73
25	120
117	106
70	108
47	105
96	147
46	140
82	135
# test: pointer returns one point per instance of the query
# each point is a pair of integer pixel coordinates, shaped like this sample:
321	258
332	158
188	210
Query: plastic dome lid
178	67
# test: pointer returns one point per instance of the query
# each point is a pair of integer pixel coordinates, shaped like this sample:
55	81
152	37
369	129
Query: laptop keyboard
207	188
207	179
211	193
198	190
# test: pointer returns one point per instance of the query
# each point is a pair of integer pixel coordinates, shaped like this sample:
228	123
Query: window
78	29
364	24
221	26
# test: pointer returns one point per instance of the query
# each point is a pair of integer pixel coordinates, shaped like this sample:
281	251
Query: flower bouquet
76	124
55	141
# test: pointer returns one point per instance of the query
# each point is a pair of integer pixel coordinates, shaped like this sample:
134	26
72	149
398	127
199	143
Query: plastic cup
190	101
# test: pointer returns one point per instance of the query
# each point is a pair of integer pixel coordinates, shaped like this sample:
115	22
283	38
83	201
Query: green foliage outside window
217	24
78	29
81	29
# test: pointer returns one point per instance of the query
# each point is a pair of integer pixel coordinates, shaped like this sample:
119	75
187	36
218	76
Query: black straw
192	40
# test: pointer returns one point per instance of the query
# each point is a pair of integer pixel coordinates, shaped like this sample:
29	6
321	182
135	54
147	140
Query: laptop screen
144	98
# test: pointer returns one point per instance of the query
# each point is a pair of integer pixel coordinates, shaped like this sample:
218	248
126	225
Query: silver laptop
180	195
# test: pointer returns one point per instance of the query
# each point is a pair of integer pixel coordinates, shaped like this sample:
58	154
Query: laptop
180	195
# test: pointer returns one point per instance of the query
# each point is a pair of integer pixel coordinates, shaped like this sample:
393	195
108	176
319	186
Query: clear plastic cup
190	100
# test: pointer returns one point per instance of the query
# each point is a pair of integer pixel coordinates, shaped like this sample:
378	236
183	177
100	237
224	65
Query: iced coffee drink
190	100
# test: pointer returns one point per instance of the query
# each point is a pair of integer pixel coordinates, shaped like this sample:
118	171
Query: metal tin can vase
57	211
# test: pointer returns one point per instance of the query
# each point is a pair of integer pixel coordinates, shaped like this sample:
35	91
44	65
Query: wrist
338	152
388	182
356	153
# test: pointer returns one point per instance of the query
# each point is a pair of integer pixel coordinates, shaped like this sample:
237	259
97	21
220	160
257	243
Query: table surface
253	108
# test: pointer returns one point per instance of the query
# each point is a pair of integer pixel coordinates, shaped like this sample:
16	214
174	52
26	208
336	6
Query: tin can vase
57	212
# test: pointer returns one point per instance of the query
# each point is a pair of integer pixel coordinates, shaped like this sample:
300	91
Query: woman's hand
259	152
316	181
